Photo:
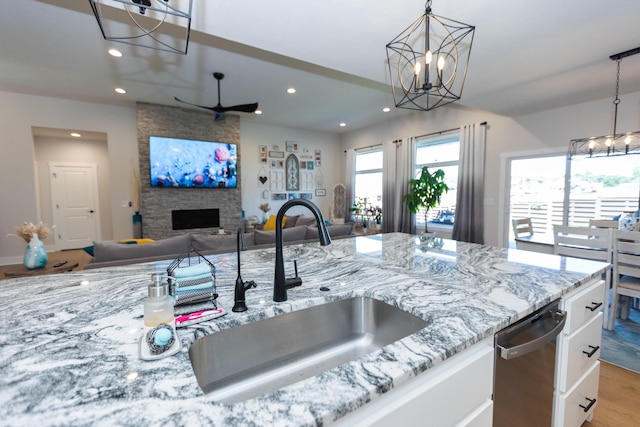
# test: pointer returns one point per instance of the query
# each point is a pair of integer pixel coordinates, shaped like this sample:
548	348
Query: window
537	191
443	153
368	179
599	188
603	188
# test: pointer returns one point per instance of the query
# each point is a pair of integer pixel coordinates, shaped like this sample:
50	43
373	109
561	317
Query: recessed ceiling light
258	112
343	124
115	52
120	90
75	134
291	90
386	109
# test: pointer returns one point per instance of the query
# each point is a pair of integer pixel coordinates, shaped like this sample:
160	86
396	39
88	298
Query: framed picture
305	196
293	196
263	154
276	164
321	191
278	196
292	146
276	154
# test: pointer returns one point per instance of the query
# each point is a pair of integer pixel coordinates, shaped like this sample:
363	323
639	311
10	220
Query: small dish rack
192	279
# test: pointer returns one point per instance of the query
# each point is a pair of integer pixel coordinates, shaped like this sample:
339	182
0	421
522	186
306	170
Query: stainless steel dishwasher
525	369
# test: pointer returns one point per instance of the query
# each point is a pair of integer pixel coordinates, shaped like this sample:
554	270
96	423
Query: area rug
621	346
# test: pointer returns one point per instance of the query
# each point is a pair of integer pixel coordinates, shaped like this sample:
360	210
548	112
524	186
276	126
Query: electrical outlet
125	204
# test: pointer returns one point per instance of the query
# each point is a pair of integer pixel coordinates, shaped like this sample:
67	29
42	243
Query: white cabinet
454	393
577	365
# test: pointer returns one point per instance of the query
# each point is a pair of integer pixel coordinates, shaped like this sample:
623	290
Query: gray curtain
469	223
350	182
397	169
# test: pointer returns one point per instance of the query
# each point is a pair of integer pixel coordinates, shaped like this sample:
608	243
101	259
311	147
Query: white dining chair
626	271
587	243
603	223
522	227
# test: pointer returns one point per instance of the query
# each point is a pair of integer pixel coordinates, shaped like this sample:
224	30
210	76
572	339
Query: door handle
591	403
594	306
592	352
91	211
511	352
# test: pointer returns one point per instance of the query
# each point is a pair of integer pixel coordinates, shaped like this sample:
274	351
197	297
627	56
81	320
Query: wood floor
618	398
619	394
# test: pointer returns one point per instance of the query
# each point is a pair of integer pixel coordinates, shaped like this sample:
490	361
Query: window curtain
350	168
397	169
469	222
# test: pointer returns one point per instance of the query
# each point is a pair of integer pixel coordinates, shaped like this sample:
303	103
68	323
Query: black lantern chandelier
156	24
614	143
428	61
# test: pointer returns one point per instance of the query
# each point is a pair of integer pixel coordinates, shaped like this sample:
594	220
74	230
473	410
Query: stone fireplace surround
156	204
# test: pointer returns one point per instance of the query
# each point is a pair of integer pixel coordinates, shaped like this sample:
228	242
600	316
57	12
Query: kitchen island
69	344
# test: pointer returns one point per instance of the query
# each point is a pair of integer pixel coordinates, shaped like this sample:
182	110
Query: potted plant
425	192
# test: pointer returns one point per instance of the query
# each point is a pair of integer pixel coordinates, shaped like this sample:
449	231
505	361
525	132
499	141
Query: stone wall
156	204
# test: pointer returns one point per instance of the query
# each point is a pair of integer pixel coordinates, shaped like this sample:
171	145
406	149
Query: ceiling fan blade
219	109
195	105
219	115
243	108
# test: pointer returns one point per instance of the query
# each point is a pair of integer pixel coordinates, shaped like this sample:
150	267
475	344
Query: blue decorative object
137	225
35	256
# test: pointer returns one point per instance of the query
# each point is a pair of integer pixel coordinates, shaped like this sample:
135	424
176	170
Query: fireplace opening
186	219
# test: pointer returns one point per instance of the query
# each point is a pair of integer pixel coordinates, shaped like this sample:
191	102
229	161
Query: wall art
262	177
292	146
292	169
277	164
278	196
276	154
276	180
263	154
305	196
321	192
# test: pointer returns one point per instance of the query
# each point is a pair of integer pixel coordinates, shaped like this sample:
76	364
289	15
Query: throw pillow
295	234
271	223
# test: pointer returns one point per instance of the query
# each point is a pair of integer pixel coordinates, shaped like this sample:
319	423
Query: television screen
188	163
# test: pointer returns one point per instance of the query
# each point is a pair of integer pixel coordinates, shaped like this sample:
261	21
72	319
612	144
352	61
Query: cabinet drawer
568	411
578	352
582	306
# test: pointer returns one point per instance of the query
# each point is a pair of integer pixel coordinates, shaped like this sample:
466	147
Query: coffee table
50	268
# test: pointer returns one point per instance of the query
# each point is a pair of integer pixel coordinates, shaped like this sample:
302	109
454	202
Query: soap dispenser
158	307
160	338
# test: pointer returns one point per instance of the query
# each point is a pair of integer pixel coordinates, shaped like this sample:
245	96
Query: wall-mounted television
187	163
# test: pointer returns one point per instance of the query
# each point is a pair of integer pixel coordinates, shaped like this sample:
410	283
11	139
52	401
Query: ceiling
526	56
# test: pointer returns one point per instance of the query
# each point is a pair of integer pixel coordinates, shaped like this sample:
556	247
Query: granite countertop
69	351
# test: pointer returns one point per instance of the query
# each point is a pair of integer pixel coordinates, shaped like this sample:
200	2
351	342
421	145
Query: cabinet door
457	391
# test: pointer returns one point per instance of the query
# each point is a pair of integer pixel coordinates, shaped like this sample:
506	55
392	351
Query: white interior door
74	196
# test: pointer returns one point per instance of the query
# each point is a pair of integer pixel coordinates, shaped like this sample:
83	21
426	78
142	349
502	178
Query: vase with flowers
35	254
265	208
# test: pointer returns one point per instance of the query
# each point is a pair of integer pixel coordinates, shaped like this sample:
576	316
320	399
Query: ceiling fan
219	110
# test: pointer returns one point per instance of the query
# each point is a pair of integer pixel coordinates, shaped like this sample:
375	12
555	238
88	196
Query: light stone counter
68	347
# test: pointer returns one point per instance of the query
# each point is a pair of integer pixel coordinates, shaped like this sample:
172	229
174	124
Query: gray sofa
108	254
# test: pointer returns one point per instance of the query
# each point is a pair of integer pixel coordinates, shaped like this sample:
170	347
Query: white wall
253	135
548	130
17	170
50	149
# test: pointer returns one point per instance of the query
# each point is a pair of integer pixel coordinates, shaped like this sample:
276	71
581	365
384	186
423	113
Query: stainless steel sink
249	360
